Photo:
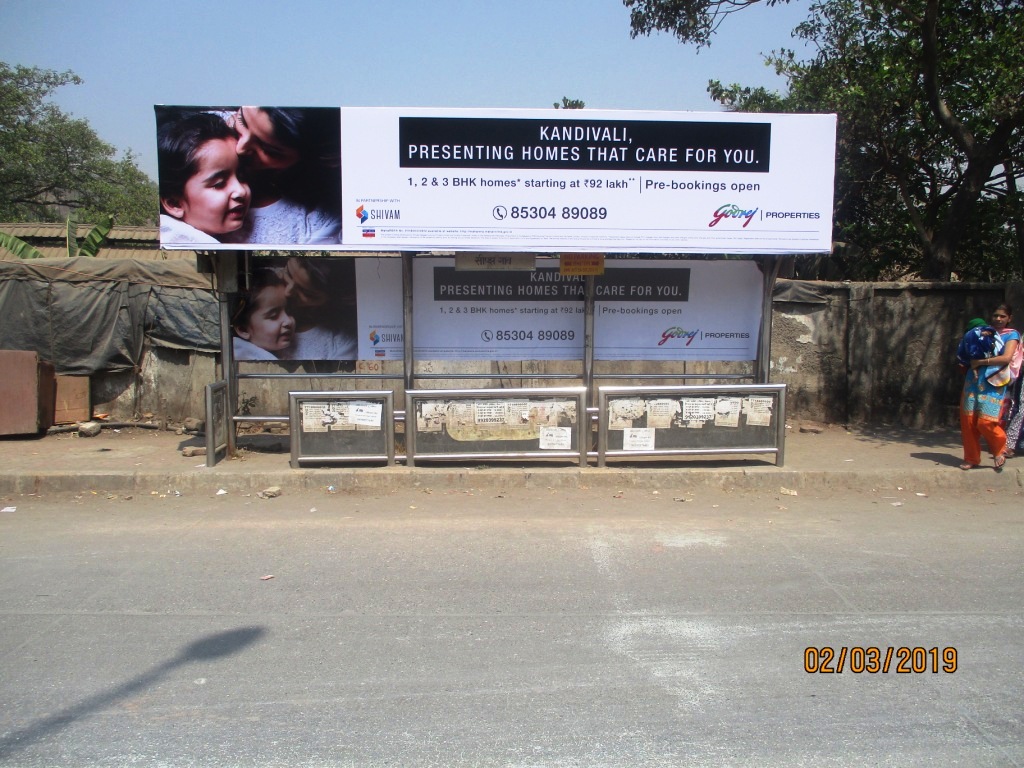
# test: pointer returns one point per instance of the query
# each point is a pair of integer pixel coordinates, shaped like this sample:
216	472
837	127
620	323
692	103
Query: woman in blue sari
984	406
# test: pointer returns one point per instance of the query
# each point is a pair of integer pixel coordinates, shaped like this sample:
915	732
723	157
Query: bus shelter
599	264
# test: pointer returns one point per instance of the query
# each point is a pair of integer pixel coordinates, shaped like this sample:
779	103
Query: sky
134	54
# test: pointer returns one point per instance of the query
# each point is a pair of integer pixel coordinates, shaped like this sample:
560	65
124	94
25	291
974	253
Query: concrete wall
878	353
849	353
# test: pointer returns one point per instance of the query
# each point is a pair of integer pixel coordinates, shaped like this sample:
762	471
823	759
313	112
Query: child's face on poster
270	326
215	200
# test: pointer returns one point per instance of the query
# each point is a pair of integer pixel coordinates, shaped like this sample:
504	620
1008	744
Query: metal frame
226	267
385	397
528	393
779	429
216	390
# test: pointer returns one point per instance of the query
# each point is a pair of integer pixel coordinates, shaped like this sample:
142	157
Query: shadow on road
206	648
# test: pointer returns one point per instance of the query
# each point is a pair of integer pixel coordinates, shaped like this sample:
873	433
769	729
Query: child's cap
971	325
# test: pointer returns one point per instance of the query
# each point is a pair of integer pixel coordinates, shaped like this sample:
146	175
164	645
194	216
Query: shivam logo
675	332
732	211
365	214
388	338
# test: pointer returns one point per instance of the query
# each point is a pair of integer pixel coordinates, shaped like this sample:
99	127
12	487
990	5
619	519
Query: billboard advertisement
544	181
249	177
643	310
304	308
582	180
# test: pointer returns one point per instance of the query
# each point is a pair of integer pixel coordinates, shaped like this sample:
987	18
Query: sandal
1000	460
965	466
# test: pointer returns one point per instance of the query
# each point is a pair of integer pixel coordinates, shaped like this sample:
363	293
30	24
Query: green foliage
94	238
568	103
18	247
54	164
692	21
89	246
930	109
246	404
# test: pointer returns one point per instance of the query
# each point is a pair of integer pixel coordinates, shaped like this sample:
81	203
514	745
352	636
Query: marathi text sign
553	181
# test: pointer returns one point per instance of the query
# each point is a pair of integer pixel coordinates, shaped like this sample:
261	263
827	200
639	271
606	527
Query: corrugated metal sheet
56	230
140	243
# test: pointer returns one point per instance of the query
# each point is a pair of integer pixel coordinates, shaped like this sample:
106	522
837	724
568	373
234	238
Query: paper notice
698	408
727	411
758	411
661	412
638	439
622	413
556	438
365	414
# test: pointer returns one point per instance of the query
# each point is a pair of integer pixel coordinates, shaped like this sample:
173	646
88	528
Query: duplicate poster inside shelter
644	310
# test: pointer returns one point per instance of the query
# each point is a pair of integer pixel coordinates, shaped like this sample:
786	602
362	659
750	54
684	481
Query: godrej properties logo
675	332
732	211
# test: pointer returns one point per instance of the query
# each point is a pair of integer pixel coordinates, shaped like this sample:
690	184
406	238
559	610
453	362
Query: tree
568	103
54	164
931	113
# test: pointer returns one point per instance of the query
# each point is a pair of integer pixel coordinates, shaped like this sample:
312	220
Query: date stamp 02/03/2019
872	659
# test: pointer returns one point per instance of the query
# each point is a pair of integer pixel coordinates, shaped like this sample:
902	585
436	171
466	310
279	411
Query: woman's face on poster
302	290
258	143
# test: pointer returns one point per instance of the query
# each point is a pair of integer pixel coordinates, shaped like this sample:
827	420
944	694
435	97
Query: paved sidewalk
138	460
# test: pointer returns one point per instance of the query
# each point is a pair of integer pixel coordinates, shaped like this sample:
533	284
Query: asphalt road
527	628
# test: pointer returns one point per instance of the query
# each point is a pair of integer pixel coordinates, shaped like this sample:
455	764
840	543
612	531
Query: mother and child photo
249	175
990	356
297	308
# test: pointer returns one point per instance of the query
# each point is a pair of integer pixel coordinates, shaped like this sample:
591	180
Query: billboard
643	310
544	181
249	177
302	308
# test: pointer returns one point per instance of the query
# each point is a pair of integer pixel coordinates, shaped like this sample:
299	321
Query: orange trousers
974	427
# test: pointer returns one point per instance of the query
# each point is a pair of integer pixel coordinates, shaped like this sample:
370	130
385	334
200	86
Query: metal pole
226	275
588	340
770	272
408	364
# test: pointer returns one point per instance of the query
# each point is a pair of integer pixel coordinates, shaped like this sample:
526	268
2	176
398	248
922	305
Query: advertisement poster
316	308
381	328
587	180
527	181
644	310
678	310
243	178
